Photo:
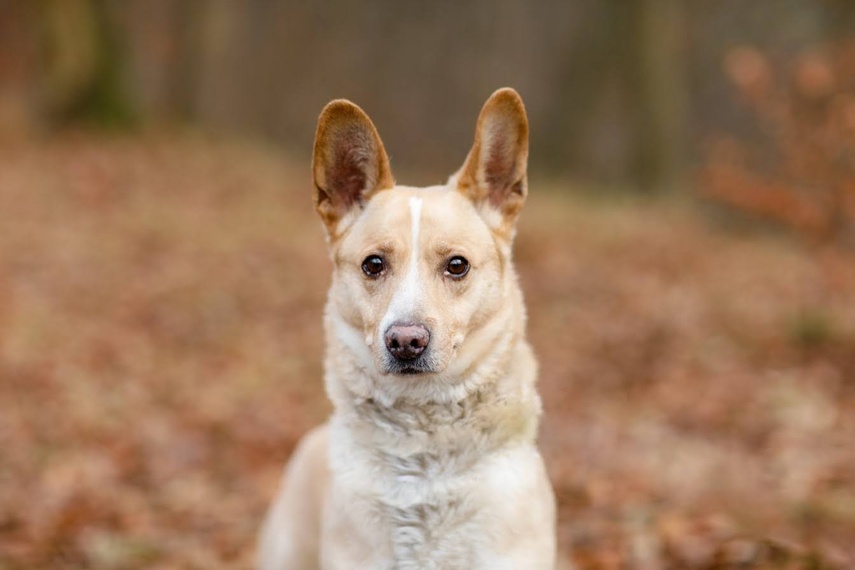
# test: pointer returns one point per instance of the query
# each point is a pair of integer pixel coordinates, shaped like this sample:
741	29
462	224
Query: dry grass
160	344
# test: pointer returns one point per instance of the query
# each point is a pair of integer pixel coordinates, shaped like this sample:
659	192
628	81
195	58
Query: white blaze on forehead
416	215
407	294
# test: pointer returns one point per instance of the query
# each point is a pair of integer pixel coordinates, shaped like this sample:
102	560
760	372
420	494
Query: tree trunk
658	85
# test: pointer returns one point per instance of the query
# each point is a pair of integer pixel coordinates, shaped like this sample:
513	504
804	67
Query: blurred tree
630	90
18	111
840	16
188	19
82	63
659	84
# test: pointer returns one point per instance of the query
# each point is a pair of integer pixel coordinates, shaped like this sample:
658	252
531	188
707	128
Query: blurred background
686	253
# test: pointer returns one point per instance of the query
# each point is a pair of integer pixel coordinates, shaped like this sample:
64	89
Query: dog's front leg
290	538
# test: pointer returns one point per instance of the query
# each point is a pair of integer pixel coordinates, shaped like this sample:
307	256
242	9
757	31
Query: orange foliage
802	174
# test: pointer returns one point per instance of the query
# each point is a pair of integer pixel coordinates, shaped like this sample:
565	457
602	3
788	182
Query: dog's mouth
410	368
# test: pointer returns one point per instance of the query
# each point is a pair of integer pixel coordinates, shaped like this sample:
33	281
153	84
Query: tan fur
437	469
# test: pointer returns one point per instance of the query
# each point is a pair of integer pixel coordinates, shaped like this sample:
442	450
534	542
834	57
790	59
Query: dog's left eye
373	265
457	266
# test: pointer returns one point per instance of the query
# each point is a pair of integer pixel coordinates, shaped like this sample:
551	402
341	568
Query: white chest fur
427	478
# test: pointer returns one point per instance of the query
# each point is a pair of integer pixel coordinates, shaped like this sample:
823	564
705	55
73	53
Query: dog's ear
494	174
349	163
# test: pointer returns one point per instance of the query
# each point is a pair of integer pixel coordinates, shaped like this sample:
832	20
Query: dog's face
419	272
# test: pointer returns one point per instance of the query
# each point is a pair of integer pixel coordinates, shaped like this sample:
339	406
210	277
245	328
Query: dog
429	459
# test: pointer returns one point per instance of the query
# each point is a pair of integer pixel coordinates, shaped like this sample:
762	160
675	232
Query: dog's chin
412	368
407	369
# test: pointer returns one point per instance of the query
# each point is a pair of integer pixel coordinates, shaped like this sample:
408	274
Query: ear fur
494	175
349	163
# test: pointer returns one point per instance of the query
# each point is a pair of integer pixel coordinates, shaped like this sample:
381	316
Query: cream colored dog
429	459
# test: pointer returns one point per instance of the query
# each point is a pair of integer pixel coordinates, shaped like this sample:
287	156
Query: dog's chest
430	507
421	482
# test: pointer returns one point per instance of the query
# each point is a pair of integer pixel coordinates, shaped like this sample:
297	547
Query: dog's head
422	281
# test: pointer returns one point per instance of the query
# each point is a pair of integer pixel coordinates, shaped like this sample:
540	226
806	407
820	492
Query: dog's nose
407	342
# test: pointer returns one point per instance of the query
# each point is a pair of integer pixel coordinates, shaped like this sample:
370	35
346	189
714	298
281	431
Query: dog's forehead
399	201
441	211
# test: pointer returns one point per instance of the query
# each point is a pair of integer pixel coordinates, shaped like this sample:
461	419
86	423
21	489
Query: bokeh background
686	254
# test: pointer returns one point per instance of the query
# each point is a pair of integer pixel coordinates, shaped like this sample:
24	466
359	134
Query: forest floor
160	348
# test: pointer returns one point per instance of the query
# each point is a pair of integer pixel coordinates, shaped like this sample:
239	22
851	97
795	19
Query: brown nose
407	342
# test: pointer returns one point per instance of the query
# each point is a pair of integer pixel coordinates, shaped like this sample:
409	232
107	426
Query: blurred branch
802	173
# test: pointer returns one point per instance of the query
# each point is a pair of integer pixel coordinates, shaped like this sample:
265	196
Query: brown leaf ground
160	345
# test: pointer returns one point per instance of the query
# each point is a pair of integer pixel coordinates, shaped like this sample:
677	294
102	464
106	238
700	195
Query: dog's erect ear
494	174
349	163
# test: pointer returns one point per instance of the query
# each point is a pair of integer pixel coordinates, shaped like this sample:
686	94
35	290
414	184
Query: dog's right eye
373	266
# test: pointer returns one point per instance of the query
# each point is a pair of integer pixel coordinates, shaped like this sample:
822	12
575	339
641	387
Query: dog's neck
483	419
